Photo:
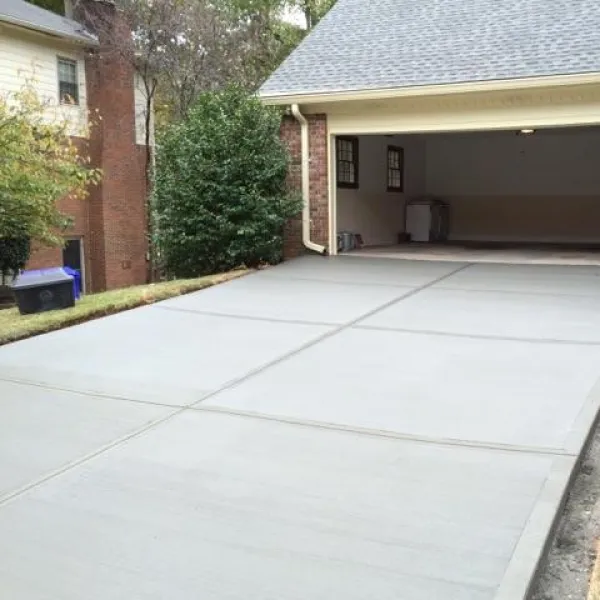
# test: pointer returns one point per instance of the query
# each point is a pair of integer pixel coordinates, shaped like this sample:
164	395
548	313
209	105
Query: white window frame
75	63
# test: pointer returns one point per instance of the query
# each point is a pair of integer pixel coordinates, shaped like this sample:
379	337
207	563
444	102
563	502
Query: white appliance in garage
427	220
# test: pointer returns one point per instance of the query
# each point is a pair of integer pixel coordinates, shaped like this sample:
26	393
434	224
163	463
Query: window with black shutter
347	162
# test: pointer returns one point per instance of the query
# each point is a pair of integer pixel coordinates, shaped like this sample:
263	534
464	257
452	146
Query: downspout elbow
305	160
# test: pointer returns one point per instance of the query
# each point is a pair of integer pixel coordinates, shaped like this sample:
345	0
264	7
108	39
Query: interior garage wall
372	211
505	187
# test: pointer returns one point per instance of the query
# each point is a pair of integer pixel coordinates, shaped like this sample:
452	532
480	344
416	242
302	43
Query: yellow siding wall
505	187
476	111
27	57
372	211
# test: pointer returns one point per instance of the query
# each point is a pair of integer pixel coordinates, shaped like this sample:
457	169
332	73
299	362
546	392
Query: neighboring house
79	79
491	106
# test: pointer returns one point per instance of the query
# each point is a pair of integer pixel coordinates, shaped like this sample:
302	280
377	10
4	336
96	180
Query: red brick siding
112	219
319	185
117	209
42	256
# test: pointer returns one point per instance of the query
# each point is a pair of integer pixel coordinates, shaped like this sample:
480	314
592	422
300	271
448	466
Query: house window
395	169
68	85
347	162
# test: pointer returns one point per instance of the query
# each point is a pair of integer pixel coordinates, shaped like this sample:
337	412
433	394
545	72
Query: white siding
140	113
26	56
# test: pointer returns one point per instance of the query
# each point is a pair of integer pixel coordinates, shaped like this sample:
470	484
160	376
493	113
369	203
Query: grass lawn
14	326
594	593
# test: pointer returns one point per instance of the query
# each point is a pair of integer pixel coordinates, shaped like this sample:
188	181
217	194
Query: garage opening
498	196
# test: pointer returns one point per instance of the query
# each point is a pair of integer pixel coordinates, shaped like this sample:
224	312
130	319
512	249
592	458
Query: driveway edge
536	539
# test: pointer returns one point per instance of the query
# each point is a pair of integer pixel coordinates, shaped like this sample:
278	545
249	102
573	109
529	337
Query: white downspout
304	151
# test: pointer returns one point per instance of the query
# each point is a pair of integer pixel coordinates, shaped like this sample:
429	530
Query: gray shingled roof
23	14
378	44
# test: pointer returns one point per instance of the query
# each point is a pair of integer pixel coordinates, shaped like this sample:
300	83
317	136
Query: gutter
304	151
495	85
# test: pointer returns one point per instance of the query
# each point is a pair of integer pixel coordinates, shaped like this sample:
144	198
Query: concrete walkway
347	428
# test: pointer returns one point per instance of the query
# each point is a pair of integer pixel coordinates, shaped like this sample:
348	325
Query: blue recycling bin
37	273
44	289
76	275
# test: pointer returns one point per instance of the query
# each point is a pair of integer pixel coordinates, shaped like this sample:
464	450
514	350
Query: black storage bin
39	291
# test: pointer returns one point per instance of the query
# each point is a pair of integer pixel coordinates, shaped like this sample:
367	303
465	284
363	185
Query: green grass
594	590
14	326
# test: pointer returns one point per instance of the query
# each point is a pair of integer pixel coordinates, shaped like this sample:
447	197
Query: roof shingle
380	44
23	14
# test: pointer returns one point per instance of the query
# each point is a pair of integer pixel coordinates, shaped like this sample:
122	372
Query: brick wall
111	221
319	186
51	257
78	210
117	214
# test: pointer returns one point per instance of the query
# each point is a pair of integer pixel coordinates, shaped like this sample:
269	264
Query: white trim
75	63
433	90
332	192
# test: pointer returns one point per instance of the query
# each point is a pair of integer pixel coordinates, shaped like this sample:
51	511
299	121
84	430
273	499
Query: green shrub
220	195
14	254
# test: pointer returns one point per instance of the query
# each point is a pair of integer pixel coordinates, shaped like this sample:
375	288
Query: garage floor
329	428
533	254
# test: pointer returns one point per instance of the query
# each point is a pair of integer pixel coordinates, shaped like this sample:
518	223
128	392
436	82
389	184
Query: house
467	122
78	79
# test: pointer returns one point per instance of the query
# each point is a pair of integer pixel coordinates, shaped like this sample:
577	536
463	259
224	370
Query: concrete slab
538	279
238	508
515	315
436	387
283	299
379	463
43	430
365	271
152	355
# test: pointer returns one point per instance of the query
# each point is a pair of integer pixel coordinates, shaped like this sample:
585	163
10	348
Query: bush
14	254
39	164
220	196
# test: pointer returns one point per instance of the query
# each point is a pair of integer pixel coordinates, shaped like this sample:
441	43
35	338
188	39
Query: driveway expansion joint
475	336
328	334
245	317
551	294
347	282
91	394
388	434
12	495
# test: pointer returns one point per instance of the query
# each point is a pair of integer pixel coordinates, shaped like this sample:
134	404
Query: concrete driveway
347	428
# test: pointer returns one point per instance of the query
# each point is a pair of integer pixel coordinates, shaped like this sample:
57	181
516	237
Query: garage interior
528	196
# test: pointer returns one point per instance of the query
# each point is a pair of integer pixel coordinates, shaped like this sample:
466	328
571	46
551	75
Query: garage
508	195
489	113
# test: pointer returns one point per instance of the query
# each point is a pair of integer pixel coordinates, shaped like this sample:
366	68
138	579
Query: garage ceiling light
526	132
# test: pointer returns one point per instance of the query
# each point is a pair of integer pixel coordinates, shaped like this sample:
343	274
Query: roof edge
431	90
86	39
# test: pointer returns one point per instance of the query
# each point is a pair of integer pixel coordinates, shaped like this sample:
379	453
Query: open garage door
531	187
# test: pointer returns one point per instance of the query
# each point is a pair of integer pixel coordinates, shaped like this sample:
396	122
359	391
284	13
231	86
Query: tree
221	199
56	6
313	10
177	48
39	164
